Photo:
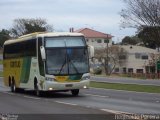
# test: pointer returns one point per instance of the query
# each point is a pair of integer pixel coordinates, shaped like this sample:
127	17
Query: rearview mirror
91	51
43	53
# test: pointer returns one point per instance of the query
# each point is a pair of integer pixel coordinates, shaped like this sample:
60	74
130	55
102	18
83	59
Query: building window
150	69
137	55
106	41
141	56
87	40
99	41
116	70
124	70
122	57
130	70
139	70
144	57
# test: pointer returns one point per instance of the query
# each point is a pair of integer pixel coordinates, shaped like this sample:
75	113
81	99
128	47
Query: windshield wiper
62	66
73	65
68	61
64	63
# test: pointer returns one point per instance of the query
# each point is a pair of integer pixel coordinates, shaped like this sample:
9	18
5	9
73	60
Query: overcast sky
100	15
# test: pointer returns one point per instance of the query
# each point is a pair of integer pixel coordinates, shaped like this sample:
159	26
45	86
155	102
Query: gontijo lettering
14	64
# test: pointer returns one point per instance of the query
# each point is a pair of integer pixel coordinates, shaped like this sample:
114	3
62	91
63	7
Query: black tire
75	92
13	86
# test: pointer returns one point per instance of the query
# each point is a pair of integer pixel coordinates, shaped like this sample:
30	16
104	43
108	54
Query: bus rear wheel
75	92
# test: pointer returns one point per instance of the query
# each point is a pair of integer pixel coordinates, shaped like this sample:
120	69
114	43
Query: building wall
98	42
137	63
137	59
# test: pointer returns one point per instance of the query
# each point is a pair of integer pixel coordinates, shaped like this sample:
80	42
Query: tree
150	36
134	40
128	41
4	35
143	14
116	56
26	26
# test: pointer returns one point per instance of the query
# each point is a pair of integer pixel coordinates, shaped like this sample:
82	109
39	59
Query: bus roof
41	34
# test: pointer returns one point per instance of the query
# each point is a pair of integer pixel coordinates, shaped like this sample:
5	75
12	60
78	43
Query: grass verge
127	87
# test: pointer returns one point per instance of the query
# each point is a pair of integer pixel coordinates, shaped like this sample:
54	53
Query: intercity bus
47	62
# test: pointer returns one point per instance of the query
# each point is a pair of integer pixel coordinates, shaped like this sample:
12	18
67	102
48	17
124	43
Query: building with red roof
95	38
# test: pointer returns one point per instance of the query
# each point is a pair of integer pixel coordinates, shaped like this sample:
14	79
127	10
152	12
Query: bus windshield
65	59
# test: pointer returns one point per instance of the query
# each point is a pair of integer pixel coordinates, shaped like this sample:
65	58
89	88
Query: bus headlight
49	79
85	87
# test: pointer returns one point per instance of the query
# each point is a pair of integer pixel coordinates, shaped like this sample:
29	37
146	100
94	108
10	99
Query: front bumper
49	85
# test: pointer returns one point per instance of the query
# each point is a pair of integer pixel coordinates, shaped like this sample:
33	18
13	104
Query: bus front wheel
75	92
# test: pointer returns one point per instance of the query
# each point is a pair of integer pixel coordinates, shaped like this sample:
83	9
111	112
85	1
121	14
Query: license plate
69	85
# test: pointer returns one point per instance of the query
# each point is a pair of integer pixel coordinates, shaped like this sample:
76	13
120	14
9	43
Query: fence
144	75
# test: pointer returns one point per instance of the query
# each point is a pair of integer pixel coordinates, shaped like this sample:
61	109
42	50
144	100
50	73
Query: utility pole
107	71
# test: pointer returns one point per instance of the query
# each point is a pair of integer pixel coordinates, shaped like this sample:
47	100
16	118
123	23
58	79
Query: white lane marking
31	97
97	95
8	93
125	91
115	111
65	103
88	106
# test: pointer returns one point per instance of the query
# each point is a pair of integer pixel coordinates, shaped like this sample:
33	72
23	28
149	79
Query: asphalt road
26	106
126	80
89	102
